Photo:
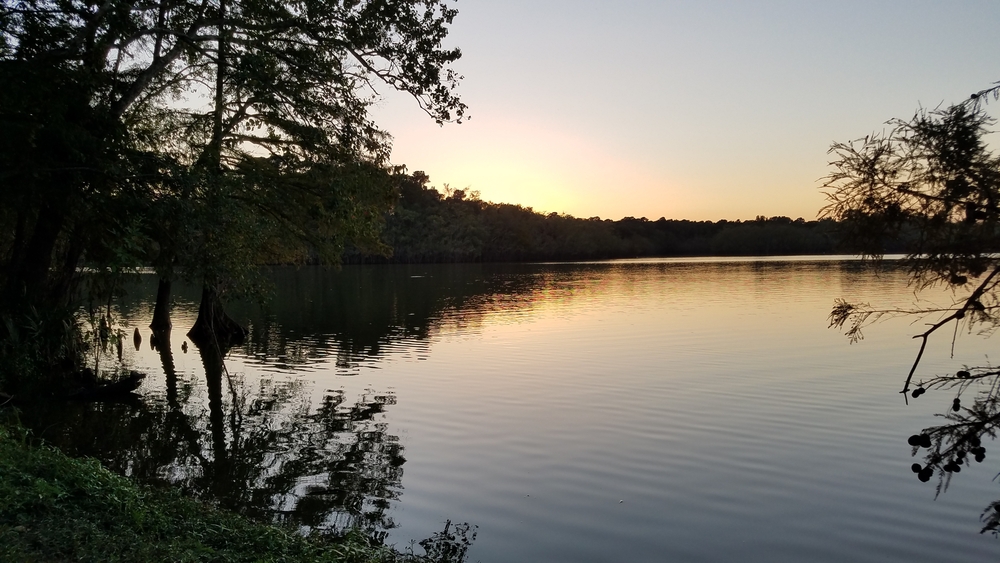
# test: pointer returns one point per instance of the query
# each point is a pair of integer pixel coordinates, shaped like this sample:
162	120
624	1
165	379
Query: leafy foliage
932	178
935	179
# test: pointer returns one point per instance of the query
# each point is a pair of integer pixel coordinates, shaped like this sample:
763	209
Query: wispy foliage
934	183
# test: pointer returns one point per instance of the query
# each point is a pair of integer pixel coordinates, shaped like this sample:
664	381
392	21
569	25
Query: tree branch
957	315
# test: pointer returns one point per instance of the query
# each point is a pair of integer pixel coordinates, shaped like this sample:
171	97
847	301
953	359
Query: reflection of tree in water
266	454
358	312
269	452
333	468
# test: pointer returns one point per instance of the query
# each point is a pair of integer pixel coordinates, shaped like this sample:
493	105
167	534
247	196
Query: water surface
658	410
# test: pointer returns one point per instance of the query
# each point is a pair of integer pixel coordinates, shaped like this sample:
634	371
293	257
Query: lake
649	410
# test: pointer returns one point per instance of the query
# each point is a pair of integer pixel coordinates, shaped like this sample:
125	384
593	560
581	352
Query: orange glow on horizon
551	169
539	167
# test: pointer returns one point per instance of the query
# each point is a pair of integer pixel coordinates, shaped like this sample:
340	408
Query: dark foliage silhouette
932	183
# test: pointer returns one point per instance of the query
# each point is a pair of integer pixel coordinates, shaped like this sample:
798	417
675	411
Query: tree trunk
64	286
17	247
30	275
161	312
214	327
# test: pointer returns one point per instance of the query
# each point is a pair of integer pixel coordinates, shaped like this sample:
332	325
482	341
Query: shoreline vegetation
58	508
453	225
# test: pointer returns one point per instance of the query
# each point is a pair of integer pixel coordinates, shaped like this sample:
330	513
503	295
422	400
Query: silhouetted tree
113	158
933	183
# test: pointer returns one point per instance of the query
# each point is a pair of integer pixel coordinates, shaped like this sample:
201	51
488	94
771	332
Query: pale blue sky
688	110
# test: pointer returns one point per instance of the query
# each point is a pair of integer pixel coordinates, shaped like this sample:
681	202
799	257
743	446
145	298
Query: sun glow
537	166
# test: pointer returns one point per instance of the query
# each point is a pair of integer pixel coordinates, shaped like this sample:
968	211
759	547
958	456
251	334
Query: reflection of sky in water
531	399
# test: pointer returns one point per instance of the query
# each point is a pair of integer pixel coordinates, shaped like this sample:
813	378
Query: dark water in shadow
688	410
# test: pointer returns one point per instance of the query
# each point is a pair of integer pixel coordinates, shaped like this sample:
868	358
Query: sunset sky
686	110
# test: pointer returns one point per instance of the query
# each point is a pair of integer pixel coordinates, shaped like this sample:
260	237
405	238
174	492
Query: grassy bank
55	508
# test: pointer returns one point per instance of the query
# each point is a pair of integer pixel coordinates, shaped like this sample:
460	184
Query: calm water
674	410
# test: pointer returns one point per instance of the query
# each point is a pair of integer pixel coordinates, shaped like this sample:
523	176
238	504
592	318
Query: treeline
456	226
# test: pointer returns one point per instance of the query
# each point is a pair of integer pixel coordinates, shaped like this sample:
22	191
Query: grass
55	508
